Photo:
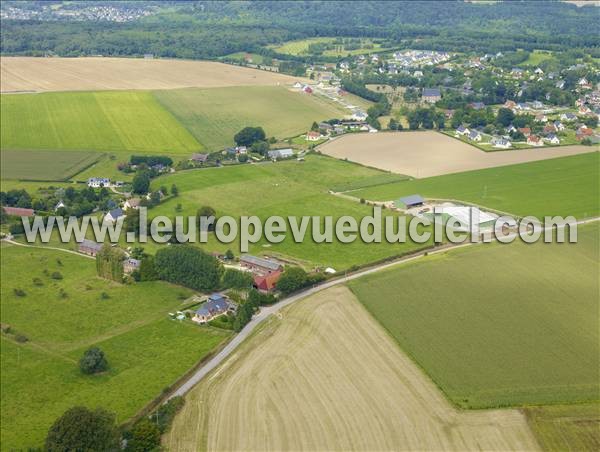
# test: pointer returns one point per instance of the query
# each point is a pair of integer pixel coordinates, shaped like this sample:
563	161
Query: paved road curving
265	312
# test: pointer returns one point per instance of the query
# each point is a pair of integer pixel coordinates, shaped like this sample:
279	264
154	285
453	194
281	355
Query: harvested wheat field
426	154
20	74
326	376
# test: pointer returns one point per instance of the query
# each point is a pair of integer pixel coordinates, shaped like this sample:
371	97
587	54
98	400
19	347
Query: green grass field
300	47
286	189
563	186
566	427
105	121
45	165
215	115
498	325
40	379
537	56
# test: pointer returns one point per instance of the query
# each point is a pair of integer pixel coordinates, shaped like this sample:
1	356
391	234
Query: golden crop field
326	376
21	74
426	154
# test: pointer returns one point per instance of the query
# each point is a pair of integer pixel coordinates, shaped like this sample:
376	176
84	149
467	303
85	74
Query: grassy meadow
40	378
104	120
561	186
214	116
289	188
49	165
498	325
300	47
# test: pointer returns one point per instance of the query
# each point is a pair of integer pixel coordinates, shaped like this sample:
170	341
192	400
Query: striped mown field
103	121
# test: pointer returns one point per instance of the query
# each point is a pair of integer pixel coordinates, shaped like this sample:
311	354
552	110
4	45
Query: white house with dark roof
216	305
113	215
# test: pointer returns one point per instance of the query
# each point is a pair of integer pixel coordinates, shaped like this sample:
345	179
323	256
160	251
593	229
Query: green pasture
45	165
40	378
561	186
498	325
285	189
215	115
300	47
104	121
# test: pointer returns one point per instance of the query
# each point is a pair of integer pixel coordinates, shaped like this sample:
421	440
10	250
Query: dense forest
213	29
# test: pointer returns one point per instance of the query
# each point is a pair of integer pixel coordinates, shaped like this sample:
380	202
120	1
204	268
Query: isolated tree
93	361
81	429
174	190
314	127
249	135
141	182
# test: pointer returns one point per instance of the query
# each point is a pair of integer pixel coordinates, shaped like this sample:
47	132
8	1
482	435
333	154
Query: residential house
474	135
199	158
266	283
552	139
89	247
59	205
510	104
568	117
511	129
525	131
307	89
549	128
559	126
541	118
297	85
583	132
313	136
277	154
216	305
98	182
477	105
462	130
260	265
18	211
359	115
534	140
114	215
560	84
500	143
431	95
132	203
130	265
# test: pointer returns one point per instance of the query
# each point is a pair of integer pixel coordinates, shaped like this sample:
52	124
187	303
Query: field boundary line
48	248
215	360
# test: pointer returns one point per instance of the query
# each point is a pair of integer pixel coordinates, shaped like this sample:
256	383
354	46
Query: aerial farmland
299	226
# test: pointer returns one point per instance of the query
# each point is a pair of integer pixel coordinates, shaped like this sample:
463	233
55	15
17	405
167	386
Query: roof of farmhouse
431	92
412	200
259	261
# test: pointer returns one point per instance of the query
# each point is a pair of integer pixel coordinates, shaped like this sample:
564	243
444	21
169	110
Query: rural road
265	312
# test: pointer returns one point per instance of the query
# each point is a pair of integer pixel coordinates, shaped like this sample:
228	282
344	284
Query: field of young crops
52	165
498	325
103	121
215	115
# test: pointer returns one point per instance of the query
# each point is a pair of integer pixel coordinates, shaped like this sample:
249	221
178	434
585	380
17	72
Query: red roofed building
268	282
18	211
525	131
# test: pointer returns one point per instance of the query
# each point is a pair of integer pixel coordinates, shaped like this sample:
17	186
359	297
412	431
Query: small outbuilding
409	202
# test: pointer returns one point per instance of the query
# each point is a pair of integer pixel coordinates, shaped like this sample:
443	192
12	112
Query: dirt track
75	74
327	376
426	154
